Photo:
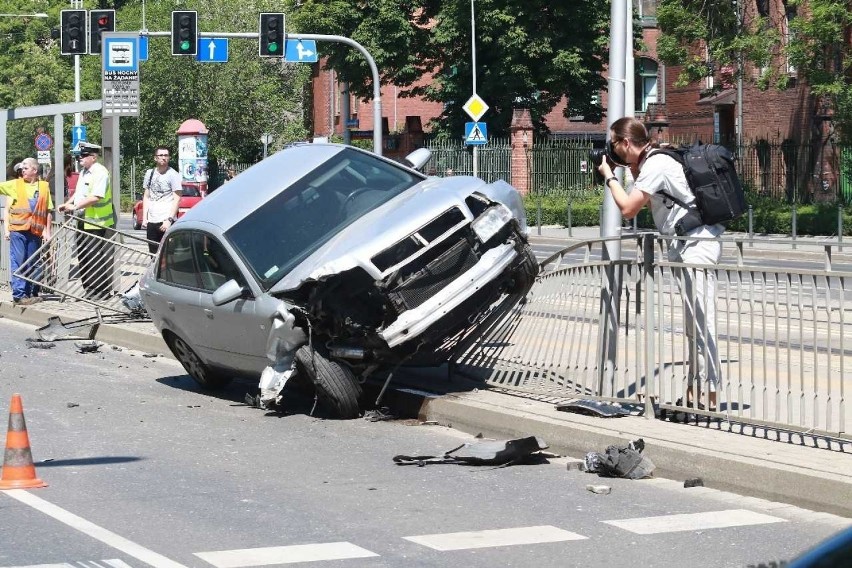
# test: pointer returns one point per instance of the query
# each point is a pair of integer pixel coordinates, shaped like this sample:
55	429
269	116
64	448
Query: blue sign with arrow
143	48
301	51
78	134
212	50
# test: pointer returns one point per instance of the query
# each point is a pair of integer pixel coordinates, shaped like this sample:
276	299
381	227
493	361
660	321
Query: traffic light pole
377	87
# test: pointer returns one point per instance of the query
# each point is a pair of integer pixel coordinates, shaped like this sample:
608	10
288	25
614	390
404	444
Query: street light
38	15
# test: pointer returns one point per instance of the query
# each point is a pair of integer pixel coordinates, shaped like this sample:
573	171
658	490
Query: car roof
233	201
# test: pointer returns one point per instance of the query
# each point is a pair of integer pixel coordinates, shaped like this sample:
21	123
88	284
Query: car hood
392	222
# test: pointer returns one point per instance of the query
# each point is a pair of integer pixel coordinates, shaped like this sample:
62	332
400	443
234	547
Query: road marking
284	554
499	537
694	521
98	533
114	562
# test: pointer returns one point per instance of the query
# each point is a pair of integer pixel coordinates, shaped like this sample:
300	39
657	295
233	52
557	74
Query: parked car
189	198
329	263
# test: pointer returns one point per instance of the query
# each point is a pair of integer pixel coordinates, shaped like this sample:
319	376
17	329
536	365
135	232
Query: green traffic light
184	45
272	47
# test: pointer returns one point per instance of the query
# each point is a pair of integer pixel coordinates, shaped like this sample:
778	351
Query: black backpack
712	178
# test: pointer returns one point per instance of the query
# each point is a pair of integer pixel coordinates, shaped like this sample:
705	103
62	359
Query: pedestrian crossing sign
475	133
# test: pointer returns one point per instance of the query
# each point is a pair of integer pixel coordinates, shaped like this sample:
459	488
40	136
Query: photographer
660	180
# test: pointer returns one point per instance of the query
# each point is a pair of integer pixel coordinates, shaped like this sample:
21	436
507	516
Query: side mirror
227	292
418	158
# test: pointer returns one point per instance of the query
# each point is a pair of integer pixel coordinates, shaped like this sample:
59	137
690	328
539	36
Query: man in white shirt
162	186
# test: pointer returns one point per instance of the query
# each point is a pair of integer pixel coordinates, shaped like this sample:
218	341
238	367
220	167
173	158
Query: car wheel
336	386
197	369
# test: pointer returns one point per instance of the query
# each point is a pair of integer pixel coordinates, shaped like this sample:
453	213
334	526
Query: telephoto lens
596	157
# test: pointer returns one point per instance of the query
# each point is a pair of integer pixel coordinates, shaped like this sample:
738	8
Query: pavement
792	469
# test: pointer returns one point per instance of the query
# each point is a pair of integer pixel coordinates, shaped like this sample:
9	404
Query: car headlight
489	223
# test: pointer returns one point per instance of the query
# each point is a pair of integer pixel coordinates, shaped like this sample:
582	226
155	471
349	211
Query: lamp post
473	75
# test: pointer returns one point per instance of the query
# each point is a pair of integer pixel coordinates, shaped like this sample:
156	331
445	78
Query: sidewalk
792	471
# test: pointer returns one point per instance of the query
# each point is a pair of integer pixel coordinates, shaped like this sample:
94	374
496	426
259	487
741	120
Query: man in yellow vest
92	202
26	222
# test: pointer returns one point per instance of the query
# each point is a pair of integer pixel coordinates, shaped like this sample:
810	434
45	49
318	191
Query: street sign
120	66
212	50
475	107
43	141
143	48
301	51
78	134
43	156
475	133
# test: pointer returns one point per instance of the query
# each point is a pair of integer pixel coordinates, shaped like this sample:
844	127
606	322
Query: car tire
336	386
206	377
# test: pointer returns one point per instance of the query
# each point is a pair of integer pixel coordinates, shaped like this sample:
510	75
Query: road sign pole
473	74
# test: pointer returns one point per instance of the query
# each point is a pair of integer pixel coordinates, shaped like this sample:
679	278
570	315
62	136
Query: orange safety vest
21	218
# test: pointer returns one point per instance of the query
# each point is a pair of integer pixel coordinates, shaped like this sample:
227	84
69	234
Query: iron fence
780	334
451	157
561	168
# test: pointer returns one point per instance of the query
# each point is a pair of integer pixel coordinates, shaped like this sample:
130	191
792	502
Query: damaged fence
89	267
780	333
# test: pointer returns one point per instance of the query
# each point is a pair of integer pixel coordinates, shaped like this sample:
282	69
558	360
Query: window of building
646	83
646	10
789	15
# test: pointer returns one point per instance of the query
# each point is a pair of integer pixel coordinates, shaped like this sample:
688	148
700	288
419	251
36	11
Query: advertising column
192	154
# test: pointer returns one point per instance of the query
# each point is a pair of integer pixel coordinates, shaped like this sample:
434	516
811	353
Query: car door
235	333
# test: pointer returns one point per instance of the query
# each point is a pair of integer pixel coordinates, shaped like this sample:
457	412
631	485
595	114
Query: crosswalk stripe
694	521
114	562
284	554
498	537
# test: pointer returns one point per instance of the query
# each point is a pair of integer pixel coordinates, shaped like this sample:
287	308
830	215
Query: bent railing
780	330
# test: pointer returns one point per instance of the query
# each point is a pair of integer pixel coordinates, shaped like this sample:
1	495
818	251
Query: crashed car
329	263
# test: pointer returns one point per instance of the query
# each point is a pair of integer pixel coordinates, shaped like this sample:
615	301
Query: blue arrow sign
78	134
143	48
212	50
475	133
301	51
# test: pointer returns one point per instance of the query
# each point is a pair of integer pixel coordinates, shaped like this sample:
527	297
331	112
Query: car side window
176	263
215	265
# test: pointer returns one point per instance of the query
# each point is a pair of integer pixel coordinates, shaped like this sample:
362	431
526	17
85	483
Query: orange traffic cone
18	469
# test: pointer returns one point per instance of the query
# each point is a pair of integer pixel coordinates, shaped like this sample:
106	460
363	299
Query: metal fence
780	332
561	168
451	157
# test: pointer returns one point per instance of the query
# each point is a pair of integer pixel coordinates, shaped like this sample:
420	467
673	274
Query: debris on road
594	408
599	489
72	404
55	329
90	346
621	461
33	343
694	482
490	452
379	415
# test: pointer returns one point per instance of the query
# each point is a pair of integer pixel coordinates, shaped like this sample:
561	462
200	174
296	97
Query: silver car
330	263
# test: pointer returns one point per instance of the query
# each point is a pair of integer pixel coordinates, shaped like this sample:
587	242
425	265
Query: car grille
428	281
415	242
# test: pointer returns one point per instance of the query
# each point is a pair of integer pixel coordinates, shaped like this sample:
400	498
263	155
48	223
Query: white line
99	533
284	554
499	537
116	563
694	521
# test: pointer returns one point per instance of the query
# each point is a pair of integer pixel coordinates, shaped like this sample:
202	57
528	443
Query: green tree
817	46
529	53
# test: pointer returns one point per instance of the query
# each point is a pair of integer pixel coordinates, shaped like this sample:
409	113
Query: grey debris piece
578	465
39	344
91	346
694	482
599	489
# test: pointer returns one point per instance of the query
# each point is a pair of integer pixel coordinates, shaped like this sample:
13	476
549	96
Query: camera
597	155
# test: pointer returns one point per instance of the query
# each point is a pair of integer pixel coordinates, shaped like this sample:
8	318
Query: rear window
302	217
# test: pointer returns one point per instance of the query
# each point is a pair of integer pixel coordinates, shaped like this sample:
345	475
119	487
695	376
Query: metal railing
452	157
87	267
780	333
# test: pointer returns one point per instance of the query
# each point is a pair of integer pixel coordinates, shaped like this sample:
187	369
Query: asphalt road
146	470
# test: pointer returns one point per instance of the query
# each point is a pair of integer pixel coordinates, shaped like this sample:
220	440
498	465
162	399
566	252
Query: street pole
78	117
473	75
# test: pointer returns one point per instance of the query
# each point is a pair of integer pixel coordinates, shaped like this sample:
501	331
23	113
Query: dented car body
332	263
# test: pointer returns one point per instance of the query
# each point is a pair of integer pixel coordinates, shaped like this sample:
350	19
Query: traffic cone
18	469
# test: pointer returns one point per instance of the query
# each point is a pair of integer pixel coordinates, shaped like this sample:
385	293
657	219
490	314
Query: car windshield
285	230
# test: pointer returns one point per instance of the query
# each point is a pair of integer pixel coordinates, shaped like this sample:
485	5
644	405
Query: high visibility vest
100	211
21	217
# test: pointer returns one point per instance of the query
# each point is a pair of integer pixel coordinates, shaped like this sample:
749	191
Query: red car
189	197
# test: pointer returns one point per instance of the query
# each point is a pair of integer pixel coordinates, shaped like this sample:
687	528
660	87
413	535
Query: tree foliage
529	53
817	45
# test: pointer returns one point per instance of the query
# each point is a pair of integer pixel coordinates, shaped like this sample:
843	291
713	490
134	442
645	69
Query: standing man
161	199
92	202
27	221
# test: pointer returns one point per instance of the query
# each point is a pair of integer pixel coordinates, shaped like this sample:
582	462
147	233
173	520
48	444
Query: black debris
91	346
33	343
694	482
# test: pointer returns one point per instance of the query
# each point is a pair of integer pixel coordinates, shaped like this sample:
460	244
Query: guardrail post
538	214
840	227
751	225
650	324
794	222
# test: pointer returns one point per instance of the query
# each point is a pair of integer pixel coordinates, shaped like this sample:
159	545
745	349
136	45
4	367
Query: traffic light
185	32
99	21
72	32
271	35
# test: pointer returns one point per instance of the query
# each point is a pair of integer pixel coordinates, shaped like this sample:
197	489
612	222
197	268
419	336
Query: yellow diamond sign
475	107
